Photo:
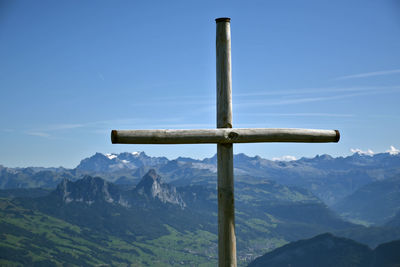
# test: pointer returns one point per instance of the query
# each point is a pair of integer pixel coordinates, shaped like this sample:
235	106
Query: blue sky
70	71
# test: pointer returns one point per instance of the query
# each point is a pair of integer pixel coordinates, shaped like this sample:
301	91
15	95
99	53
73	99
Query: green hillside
32	238
93	222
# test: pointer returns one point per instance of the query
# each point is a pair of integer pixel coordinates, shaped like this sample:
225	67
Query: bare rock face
152	187
89	190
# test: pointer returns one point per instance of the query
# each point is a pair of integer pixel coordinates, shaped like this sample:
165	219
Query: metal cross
224	136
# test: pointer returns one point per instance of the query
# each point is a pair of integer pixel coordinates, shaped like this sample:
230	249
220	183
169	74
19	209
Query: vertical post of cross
226	207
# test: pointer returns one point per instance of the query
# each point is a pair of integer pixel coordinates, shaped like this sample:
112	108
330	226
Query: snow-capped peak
393	151
285	158
135	153
368	152
111	156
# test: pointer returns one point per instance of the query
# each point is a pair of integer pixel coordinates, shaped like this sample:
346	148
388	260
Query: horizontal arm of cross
223	136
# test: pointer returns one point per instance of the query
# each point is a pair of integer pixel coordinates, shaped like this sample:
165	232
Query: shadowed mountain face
330	251
395	221
374	203
89	190
387	255
95	190
323	250
100	205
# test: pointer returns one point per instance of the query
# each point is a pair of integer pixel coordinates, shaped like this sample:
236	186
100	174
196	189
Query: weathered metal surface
223	136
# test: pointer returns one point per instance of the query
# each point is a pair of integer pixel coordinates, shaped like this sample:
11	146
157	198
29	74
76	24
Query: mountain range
91	201
336	181
155	206
266	213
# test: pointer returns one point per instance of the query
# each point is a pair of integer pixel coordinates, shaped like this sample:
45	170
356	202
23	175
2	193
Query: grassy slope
33	238
260	228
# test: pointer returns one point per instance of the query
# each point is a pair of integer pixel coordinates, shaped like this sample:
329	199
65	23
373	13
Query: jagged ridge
92	190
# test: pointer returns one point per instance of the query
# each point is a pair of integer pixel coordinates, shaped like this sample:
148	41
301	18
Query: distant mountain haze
330	179
362	188
159	207
374	203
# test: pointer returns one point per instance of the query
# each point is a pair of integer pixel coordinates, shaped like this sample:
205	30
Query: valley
129	208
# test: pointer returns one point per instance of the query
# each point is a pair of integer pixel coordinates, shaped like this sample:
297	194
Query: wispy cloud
48	130
131	122
299	100
40	134
368	74
177	101
288	97
272	97
105	126
63	127
292	97
300	115
322	90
